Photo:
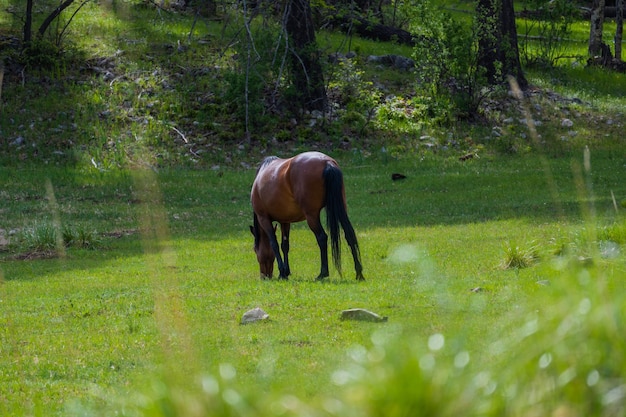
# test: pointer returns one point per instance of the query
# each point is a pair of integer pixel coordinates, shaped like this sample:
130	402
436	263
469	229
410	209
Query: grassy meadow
126	260
147	315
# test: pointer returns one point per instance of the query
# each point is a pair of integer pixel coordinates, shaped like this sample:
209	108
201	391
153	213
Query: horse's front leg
285	271
270	230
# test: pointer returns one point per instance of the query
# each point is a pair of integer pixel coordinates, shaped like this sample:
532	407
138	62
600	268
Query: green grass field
161	296
126	260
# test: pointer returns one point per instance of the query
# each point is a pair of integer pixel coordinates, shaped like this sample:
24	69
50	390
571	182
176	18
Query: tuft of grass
43	239
615	232
81	237
517	257
40	238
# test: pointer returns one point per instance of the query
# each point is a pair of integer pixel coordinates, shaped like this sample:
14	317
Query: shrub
446	56
547	24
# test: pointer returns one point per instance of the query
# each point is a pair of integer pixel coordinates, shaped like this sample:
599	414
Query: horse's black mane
255	230
268	160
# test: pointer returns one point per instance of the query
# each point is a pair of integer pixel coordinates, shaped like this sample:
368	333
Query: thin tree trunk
595	32
619	21
512	64
28	23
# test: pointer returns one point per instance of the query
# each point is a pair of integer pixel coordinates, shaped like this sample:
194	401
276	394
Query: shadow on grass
213	206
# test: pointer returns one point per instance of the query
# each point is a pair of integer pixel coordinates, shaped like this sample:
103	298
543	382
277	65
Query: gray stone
254	315
360	314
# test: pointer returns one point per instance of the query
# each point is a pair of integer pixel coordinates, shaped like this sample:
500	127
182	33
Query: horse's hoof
360	277
321	278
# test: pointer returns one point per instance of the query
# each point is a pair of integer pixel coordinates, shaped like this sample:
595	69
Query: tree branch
54	15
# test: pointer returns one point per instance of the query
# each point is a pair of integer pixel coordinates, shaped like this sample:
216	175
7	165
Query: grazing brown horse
292	190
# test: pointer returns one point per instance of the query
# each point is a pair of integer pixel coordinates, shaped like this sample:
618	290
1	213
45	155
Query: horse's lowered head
264	253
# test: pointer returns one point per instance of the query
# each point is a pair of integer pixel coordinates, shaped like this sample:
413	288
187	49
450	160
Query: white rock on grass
360	314
256	314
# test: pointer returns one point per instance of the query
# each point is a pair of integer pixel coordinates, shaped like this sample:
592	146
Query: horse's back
312	158
290	189
269	187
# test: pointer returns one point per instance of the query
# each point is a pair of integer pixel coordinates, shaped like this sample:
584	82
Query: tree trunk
28	23
376	31
498	52
308	77
206	8
619	21
595	32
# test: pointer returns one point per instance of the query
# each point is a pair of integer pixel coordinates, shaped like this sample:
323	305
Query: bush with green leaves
256	83
356	99
447	61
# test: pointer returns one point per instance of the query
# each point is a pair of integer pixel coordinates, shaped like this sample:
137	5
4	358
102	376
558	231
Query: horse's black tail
336	215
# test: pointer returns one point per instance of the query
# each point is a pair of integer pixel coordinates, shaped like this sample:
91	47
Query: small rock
316	114
585	261
256	314
361	314
18	141
567	123
476	290
609	249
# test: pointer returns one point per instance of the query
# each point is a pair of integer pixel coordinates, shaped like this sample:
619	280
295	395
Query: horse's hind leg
322	241
354	248
286	270
357	263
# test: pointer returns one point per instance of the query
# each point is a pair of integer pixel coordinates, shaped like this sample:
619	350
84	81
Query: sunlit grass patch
427	242
562	355
587	243
565	358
